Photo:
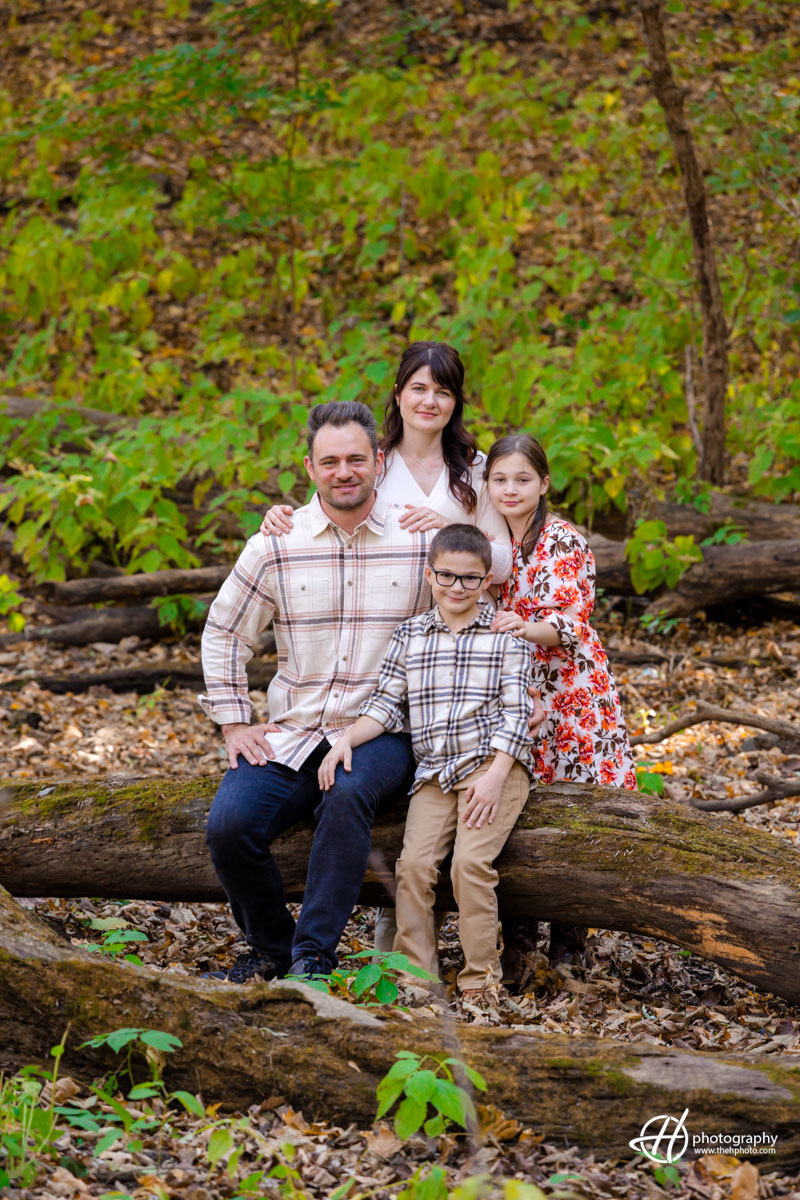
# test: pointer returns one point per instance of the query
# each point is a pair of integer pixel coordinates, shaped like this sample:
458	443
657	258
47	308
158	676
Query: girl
548	600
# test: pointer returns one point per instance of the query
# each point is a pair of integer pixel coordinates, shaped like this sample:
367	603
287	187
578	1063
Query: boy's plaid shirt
334	600
464	695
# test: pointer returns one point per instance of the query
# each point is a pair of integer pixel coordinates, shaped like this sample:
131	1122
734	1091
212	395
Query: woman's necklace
427	469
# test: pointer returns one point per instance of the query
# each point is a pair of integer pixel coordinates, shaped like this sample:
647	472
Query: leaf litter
629	988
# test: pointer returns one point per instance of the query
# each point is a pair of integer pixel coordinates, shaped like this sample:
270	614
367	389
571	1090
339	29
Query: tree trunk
726	573
140	679
715	334
733	573
241	1044
135	587
581	854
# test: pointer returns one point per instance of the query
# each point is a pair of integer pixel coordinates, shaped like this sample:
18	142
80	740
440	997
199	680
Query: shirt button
344	658
349	583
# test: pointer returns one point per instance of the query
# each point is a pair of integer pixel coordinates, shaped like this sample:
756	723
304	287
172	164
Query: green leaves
428	1087
655	559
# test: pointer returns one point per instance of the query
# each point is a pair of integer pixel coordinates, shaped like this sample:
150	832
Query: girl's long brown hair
533	451
458	445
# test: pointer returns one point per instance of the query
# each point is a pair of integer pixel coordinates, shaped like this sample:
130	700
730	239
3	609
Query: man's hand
251	741
342	752
538	714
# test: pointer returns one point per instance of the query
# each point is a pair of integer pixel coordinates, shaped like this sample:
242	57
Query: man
335	588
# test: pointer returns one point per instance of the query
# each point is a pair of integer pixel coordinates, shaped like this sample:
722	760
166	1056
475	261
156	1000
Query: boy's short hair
463	539
339	413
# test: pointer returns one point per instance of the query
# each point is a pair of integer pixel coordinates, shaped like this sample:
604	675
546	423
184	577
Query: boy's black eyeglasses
448	578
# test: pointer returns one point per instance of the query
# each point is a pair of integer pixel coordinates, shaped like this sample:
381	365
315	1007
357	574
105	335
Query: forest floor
629	988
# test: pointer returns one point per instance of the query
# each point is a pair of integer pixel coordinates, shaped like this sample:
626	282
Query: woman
433	467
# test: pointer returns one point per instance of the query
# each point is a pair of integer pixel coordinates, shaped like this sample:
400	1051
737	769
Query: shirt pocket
388	594
311	616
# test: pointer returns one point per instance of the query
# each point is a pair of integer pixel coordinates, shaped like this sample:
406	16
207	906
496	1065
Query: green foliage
667	1176
10	600
28	1128
423	1087
649	781
656	559
117	937
374	983
205	239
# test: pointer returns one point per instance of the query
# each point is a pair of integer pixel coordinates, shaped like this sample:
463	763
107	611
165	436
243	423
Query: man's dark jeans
254	805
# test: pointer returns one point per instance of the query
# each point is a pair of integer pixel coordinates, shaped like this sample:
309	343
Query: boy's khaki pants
434	824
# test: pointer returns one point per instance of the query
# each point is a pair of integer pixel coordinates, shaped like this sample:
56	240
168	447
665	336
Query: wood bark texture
715	334
243	1044
581	854
726	573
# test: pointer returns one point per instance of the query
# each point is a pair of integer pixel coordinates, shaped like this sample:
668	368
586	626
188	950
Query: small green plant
155	1043
658	623
10	601
649	781
117	937
374	983
423	1087
667	1176
377	980
726	535
28	1128
655	559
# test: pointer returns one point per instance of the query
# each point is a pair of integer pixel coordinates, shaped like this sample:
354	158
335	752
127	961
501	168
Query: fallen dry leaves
630	988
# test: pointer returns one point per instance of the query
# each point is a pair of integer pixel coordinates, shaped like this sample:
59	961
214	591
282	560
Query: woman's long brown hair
533	451
458	445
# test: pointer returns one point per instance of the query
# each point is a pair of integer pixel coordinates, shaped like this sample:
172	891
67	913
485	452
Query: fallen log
147	583
105	625
138	679
581	854
242	1044
726	573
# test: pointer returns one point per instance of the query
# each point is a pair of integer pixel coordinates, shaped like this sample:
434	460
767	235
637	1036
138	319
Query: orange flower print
564	738
599	682
565	596
608	772
587	741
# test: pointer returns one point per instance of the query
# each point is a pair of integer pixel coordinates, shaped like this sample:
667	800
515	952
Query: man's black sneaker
312	967
249	965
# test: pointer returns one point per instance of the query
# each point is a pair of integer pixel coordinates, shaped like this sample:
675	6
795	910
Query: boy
463	690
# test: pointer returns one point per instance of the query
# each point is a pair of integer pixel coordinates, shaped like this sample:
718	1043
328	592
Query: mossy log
242	1044
581	854
726	573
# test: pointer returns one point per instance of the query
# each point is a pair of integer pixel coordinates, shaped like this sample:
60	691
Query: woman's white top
398	486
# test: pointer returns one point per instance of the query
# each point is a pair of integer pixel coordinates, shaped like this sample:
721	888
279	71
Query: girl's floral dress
583	738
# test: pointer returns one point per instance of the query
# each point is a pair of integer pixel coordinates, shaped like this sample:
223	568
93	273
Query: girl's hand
277	520
416	518
505	621
342	753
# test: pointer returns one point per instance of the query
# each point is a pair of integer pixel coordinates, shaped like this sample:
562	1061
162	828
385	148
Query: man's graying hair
339	413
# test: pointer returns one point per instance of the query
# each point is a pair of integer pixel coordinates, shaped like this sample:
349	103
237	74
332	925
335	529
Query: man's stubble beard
329	495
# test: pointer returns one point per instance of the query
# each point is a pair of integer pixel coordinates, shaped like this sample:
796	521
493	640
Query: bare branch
788	733
776	789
